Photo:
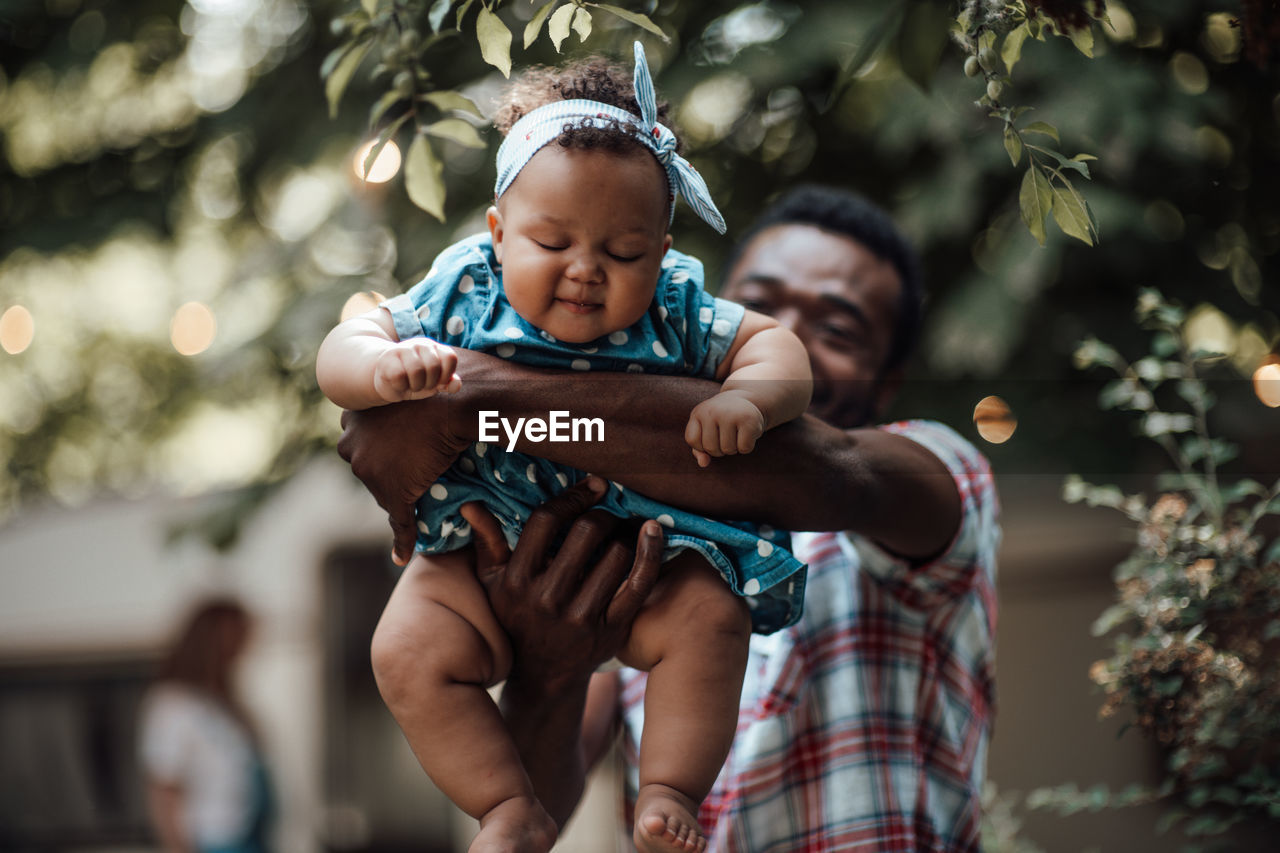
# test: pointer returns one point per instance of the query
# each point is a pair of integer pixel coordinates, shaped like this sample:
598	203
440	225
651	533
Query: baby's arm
362	363
767	382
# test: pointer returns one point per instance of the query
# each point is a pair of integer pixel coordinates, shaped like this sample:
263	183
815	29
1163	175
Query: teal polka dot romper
686	332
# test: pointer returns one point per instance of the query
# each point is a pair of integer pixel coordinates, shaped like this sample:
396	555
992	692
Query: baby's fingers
447	361
747	437
693	433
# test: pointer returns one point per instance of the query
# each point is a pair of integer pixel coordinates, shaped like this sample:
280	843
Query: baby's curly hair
594	79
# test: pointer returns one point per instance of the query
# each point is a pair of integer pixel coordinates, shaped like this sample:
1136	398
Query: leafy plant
993	35
1197	621
399	33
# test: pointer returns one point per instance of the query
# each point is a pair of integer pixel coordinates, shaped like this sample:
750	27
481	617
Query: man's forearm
804	475
561	732
547	730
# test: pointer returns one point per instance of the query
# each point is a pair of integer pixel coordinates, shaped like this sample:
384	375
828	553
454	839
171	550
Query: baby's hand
726	424
414	369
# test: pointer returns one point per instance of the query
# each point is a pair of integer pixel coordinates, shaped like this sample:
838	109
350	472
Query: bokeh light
994	420
1189	73
383	168
193	328
360	303
17	329
1266	382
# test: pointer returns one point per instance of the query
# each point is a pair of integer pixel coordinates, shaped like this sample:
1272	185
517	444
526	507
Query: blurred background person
207	784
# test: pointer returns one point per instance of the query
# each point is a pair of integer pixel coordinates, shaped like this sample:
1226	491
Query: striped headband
539	127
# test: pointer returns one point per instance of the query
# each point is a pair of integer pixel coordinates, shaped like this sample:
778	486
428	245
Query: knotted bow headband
539	127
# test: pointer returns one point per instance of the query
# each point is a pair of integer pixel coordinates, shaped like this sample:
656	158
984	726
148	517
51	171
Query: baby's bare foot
666	821
517	825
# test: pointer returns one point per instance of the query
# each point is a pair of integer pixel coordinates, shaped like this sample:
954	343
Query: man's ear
666	244
494	220
886	389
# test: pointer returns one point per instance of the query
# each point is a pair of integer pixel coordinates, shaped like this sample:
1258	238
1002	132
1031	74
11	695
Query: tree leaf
1012	144
462	12
582	24
1035	198
558	27
1011	50
370	6
1083	40
881	32
1077	212
334	57
435	17
1080	158
921	40
1043	127
534	26
424	177
337	81
458	130
633	17
383	138
445	100
1069	213
383	104
1062	161
495	41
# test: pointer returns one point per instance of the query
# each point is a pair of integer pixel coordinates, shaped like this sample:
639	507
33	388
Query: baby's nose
585	267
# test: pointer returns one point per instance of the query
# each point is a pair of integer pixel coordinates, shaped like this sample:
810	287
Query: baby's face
580	235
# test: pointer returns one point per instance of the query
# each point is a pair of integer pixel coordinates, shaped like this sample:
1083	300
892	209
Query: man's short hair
850	215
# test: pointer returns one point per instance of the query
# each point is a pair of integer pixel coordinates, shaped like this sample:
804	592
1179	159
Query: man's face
840	299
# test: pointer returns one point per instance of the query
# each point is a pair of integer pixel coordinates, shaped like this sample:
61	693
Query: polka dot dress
685	332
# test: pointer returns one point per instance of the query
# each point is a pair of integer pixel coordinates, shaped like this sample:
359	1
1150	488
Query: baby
577	271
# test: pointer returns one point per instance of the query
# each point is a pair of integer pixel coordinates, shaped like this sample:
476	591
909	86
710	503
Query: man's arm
566	614
804	475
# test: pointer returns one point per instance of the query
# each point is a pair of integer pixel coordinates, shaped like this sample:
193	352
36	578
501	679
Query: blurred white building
89	599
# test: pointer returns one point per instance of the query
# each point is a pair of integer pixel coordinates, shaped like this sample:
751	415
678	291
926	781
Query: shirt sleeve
165	734
704	325
971	555
440	306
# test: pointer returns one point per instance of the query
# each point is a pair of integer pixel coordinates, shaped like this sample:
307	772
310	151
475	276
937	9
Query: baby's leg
436	648
692	637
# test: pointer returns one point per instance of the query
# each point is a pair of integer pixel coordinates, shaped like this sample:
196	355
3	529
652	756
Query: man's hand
565	615
398	451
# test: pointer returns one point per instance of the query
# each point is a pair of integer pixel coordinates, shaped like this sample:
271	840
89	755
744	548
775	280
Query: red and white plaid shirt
865	725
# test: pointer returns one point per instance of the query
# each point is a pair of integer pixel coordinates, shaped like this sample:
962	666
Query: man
863	726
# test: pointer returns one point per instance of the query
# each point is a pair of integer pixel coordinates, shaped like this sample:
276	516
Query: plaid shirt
865	725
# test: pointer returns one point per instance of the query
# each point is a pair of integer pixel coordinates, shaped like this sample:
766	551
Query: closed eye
548	247
840	334
626	258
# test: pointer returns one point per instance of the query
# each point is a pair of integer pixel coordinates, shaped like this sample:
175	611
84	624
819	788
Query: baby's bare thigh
690	607
437	597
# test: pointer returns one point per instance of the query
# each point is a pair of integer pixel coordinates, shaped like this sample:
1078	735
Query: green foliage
405	58
996	33
1197	665
147	161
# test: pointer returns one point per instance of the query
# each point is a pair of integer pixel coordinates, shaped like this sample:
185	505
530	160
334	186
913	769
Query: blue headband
528	135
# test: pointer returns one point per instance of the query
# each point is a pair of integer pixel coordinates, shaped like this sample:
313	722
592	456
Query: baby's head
586	182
